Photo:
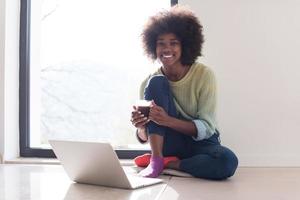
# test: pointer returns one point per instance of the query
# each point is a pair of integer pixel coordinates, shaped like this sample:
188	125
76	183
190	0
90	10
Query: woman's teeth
167	56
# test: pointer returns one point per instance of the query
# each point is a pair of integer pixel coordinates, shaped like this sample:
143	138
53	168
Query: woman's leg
210	160
156	144
158	90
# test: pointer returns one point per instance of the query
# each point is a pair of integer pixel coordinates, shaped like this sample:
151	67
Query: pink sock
155	167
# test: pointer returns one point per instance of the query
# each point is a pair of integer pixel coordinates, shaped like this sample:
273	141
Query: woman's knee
157	85
228	164
158	89
158	80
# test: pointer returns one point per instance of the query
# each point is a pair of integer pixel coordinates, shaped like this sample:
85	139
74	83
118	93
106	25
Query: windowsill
52	161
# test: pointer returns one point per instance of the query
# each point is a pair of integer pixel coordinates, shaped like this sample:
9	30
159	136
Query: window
81	64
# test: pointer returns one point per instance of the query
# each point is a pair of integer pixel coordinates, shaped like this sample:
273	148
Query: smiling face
168	49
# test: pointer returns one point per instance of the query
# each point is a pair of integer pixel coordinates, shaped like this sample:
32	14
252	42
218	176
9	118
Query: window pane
86	66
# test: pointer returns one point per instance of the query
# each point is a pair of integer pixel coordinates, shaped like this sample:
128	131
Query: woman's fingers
142	123
138	119
135	114
156	109
155	112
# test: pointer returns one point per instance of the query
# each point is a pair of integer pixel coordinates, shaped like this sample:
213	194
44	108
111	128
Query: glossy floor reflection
43	182
82	191
33	182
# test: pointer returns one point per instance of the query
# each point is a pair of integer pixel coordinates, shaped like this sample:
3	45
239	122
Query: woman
181	126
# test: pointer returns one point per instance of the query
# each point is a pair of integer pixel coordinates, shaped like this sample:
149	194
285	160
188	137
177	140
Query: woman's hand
138	119
159	115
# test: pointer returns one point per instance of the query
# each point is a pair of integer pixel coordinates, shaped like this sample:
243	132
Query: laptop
97	164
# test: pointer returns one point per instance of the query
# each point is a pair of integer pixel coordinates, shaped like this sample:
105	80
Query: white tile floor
27	182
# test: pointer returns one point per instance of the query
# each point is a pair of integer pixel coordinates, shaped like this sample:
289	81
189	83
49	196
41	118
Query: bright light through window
86	66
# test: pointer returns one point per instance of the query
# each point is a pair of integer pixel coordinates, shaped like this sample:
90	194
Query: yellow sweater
195	98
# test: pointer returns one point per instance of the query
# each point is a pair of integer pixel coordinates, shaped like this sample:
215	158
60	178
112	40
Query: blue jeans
204	159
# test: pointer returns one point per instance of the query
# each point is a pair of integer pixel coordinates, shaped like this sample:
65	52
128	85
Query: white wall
253	47
2	39
9	78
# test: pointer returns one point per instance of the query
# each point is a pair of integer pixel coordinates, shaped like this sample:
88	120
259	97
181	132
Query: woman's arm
159	116
185	127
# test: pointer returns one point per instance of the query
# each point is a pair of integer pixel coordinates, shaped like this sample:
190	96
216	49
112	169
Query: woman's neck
175	73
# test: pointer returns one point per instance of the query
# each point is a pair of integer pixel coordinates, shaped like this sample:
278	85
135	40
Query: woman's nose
167	46
166	50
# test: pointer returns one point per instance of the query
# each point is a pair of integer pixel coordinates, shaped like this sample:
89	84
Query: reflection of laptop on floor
97	164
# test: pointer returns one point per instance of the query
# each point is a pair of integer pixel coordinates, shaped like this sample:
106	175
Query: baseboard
51	161
43	161
244	161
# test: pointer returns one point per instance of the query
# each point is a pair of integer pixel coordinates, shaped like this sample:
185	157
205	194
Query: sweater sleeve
142	88
206	107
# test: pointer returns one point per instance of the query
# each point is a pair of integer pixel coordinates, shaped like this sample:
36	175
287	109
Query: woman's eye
174	43
160	44
164	44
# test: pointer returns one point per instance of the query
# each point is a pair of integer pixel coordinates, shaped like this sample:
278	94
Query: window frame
24	92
